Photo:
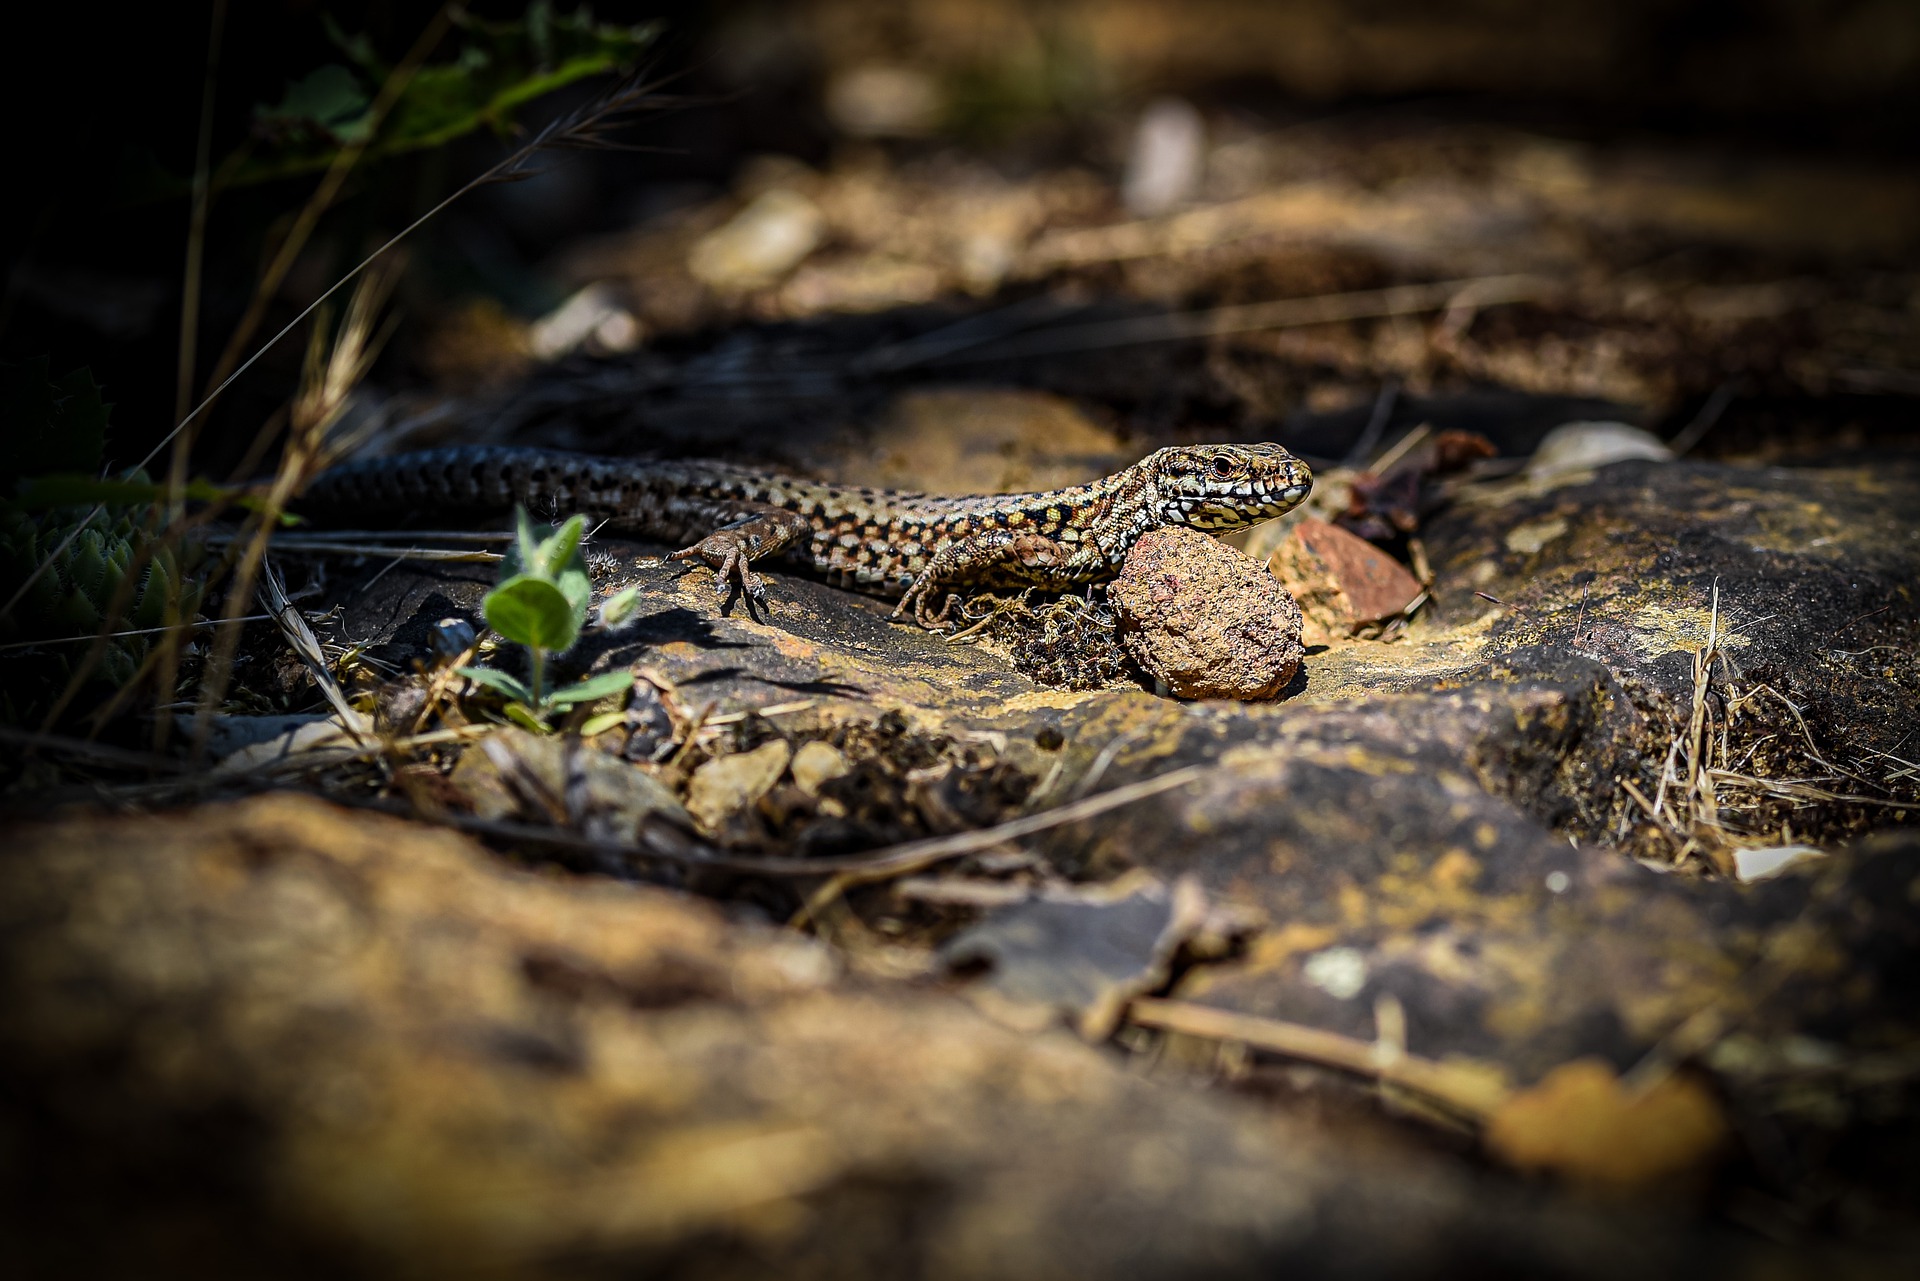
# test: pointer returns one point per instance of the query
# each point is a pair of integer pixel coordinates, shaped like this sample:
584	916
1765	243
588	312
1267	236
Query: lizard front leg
729	550
990	554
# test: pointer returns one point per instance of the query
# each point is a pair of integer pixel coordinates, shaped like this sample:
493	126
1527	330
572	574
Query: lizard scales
916	547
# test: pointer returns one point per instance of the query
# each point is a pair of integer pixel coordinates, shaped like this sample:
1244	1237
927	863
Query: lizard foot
727	558
916	604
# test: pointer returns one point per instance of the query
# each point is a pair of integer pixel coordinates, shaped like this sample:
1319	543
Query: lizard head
1221	487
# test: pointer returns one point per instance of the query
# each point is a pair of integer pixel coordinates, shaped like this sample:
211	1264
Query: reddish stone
1342	582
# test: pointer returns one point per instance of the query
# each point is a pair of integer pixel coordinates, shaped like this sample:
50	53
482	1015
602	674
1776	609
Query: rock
1342	583
817	763
1203	619
724	787
1079	954
594	318
280	1038
1581	447
285	737
1445	820
1167	159
761	244
878	100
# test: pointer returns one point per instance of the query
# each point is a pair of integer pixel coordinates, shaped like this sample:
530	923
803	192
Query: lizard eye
1222	469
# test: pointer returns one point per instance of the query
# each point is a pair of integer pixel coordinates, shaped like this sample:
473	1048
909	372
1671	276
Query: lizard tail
458	478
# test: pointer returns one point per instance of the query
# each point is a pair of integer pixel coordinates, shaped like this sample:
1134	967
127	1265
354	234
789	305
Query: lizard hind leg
977	560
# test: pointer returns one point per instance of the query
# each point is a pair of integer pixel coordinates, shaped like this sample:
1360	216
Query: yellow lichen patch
1800	528
1529	538
1055	700
1662	629
1586	1125
1456	870
1275	949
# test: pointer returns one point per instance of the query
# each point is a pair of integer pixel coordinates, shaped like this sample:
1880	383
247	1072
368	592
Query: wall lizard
913	546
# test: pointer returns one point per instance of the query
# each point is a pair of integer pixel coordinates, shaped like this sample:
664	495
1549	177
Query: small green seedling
541	602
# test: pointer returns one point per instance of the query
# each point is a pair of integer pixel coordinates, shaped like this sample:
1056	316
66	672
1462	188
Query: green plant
541	603
497	68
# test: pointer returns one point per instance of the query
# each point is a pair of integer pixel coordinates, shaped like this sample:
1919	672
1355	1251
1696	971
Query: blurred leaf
330	103
533	612
499	682
523	716
359	48
522	555
620	608
497	68
43	492
591	690
561	550
601	724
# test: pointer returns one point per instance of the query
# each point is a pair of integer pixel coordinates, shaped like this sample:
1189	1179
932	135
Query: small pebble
1577	448
817	763
1203	619
761	244
724	787
1166	160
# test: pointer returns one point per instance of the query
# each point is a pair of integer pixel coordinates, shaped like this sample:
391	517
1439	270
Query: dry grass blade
86	750
332	372
300	637
1474	1093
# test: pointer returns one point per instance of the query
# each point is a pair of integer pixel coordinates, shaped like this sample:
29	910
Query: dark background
104	94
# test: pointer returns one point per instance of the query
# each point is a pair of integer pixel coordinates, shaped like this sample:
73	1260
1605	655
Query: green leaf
560	549
359	48
523	554
591	690
533	612
43	492
330	103
499	682
602	723
523	716
620	609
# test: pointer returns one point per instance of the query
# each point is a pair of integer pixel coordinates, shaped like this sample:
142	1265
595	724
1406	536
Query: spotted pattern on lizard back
917	547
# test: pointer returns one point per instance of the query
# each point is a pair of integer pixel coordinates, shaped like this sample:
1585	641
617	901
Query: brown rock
1341	582
1204	619
282	1039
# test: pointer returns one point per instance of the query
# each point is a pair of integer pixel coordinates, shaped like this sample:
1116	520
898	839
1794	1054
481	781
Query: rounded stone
1205	620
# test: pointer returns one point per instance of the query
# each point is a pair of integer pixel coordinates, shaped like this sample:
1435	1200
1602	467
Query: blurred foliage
498	68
